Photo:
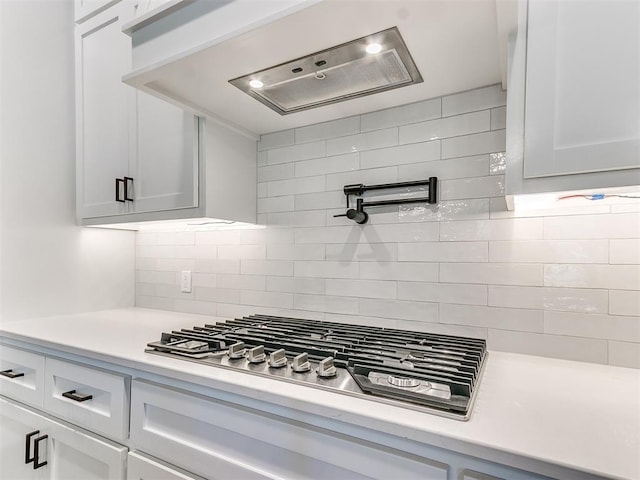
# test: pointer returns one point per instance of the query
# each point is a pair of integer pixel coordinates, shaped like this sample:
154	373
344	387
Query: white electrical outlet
185	281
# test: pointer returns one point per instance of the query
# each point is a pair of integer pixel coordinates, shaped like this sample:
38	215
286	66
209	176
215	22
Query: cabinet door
582	88
70	453
104	111
165	165
13	432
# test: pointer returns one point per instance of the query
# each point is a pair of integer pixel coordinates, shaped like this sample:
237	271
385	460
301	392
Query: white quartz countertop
569	414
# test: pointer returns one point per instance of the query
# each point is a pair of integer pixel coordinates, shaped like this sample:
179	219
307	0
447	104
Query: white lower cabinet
34	446
143	467
220	440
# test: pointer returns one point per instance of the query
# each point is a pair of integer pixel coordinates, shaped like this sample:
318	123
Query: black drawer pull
78	397
128	189
36	452
27	448
121	186
11	374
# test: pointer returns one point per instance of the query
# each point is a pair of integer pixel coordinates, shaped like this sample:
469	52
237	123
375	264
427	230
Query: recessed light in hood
367	65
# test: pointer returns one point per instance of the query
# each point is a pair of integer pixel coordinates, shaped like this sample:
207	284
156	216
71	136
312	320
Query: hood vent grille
334	75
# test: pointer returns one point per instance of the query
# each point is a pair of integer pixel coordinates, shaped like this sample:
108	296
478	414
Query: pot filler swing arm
358	214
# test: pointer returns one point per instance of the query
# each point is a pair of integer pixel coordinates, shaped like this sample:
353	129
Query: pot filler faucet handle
326	368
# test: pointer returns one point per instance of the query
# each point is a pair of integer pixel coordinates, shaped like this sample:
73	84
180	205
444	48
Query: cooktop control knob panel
277	359
300	363
326	368
256	354
237	350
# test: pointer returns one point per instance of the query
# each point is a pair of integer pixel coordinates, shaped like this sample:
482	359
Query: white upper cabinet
574	116
135	153
85	9
103	111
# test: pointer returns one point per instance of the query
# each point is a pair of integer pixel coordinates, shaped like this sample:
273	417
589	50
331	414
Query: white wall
562	283
49	266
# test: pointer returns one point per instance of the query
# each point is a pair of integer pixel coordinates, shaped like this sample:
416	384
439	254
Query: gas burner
417	370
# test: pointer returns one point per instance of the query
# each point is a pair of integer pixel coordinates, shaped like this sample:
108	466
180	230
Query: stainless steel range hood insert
371	64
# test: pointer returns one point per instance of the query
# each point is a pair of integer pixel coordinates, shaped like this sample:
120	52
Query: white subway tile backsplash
478	187
408	271
266	267
624	251
619	225
399	309
402	115
337	181
473	100
361	288
325	303
296	252
611	327
332	129
498	118
560	282
313	286
240	282
276	172
266	299
353	252
443	293
296	153
620	277
298	219
326	269
318	201
472	209
256	252
464	167
443	252
446	127
275	204
475	144
624	302
218	295
401	154
217	266
624	354
549	251
296	185
512	229
322	166
492	273
363	141
557	346
493	317
275	140
549	298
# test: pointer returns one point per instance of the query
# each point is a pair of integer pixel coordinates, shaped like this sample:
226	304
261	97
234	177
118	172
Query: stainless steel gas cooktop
422	371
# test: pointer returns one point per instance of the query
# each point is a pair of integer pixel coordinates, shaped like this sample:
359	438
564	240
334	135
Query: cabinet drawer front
212	436
105	412
141	467
23	377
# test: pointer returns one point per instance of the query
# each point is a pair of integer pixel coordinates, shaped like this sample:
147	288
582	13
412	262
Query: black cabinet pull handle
121	185
27	448
36	452
11	374
78	397
127	189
